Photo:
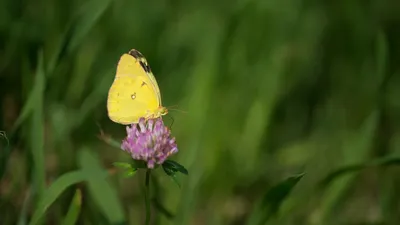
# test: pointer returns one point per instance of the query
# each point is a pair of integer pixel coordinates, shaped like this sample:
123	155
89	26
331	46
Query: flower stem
147	197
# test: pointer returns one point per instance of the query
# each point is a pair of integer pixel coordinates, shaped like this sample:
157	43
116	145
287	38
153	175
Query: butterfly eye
133	96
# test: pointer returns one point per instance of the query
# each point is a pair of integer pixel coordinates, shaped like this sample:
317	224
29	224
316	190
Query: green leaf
381	54
384	161
171	172
110	141
75	207
130	173
35	96
23	214
174	166
272	200
162	209
54	191
5	153
136	164
36	138
83	21
100	189
175	179
122	165
93	99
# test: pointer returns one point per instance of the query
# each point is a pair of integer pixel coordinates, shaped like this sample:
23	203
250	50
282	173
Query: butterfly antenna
174	108
178	110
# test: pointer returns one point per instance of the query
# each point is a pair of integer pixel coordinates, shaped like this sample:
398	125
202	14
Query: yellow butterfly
134	92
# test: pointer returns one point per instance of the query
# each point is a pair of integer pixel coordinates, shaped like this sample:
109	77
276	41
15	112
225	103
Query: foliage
268	88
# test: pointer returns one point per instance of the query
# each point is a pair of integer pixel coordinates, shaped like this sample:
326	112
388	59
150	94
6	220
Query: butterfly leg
148	115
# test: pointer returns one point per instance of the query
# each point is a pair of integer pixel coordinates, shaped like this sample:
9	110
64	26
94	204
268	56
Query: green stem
147	197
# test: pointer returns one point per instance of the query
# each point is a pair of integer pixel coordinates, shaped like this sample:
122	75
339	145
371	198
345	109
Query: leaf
34	107
5	154
162	209
384	161
82	22
175	166
75	207
122	165
85	19
135	164
171	172
105	195
54	191
272	200
175	179
37	130
35	96
24	211
171	168
130	173
381	54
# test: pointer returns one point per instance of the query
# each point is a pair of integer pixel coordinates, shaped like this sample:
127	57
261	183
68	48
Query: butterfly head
163	110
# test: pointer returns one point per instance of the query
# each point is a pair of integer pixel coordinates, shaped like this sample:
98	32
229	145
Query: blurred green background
269	89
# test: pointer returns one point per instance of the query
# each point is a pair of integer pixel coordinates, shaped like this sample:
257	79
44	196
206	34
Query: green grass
269	89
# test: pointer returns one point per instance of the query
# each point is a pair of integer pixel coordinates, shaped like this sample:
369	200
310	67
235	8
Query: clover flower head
150	141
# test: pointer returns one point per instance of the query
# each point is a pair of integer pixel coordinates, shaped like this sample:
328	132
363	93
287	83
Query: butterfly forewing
147	69
134	92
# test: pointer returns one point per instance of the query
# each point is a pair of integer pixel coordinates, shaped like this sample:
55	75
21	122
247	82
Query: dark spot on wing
139	57
135	53
145	66
144	83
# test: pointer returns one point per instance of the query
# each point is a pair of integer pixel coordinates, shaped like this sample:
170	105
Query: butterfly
134	92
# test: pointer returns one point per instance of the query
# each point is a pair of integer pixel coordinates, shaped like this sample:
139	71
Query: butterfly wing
146	68
132	94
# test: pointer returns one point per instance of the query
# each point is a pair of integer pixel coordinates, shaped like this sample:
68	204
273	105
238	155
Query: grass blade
272	200
74	209
86	18
54	191
162	209
100	189
381	162
78	28
5	153
35	96
23	214
37	130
